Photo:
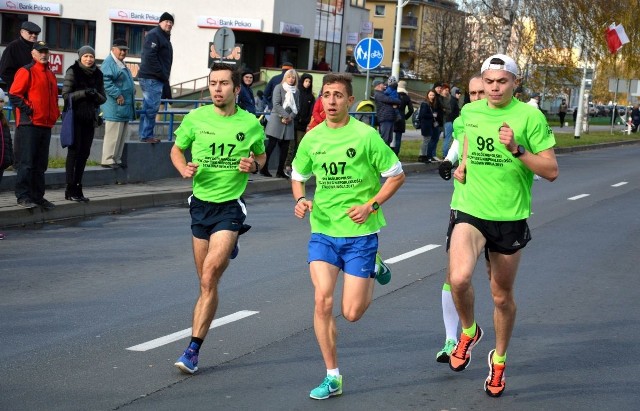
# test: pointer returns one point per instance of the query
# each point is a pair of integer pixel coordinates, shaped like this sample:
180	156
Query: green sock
471	331
446	287
499	359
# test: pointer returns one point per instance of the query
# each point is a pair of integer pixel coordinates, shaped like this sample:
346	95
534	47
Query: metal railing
169	115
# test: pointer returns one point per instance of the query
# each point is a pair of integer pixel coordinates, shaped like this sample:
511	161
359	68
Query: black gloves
445	169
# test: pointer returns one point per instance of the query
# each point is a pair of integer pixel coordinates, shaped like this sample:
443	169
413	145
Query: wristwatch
375	207
255	163
520	151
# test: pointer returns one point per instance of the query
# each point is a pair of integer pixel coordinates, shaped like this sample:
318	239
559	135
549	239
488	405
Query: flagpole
615	93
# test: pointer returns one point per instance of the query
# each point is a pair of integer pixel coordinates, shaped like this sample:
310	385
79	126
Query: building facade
267	32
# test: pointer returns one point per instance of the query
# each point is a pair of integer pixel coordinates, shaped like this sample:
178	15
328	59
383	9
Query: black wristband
257	165
300	198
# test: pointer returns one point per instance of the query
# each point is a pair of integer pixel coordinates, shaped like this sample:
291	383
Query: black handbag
66	131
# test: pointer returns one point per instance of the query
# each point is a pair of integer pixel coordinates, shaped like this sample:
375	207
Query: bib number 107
334	168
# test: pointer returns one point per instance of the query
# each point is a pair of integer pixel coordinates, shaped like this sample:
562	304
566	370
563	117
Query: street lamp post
395	64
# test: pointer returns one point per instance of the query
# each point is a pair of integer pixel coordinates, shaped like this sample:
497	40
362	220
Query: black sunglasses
33	33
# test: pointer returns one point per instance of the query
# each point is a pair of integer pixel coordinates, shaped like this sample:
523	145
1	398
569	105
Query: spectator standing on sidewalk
385	110
119	108
429	116
246	100
307	101
406	111
18	54
34	93
84	85
280	129
220	177
155	68
6	145
562	111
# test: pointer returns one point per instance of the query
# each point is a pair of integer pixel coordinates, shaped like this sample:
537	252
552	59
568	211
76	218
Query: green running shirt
498	185
347	163
217	143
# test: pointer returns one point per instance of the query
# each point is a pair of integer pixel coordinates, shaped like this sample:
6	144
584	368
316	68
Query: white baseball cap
500	62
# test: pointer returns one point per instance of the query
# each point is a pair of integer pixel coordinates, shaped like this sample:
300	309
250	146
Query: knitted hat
166	16
86	50
376	83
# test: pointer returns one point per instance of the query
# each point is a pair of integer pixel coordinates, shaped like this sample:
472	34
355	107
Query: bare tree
444	47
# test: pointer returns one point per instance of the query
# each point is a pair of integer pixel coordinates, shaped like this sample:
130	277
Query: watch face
375	206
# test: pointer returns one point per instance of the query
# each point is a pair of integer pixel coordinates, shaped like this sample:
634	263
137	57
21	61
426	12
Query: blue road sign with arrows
369	53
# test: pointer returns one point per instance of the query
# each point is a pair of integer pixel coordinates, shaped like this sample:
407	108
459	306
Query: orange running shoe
494	385
461	355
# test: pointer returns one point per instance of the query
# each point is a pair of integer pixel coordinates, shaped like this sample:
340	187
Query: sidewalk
117	198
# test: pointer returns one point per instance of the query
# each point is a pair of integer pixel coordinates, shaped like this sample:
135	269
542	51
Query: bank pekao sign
135	16
234	23
31	7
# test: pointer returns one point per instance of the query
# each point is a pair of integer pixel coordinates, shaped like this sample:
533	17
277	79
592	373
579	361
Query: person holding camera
84	85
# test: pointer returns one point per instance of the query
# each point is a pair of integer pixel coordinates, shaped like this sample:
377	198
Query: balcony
409	22
408	46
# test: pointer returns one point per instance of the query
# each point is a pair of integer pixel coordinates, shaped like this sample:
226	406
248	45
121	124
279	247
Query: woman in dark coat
430	112
84	84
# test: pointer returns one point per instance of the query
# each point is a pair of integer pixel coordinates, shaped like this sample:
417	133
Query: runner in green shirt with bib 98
226	144
347	158
506	142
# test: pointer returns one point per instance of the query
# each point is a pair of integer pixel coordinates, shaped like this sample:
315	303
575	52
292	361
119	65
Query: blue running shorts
353	255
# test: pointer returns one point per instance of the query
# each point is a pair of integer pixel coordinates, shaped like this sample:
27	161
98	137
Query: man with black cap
155	69
18	52
16	55
34	93
275	80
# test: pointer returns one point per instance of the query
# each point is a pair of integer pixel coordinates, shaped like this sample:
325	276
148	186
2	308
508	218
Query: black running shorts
504	237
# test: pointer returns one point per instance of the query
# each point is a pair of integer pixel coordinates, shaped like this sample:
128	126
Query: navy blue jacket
157	56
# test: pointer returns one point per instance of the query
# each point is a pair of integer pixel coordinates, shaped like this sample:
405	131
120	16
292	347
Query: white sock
449	314
333	373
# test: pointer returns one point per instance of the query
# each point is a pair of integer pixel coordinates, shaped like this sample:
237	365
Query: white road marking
158	342
619	184
578	197
412	253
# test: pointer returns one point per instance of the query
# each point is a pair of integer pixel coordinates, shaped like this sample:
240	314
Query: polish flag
616	38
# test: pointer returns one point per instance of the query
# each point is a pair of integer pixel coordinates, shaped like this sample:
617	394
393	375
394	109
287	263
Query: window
378	33
134	34
11	26
379	11
69	34
358	3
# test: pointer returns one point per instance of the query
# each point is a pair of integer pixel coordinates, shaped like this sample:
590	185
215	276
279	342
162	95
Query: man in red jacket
34	93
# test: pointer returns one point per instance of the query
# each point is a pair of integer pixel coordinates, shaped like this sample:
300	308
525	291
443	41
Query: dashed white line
619	184
578	197
412	253
159	342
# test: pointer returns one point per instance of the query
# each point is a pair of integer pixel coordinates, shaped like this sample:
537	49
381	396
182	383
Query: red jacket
34	93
